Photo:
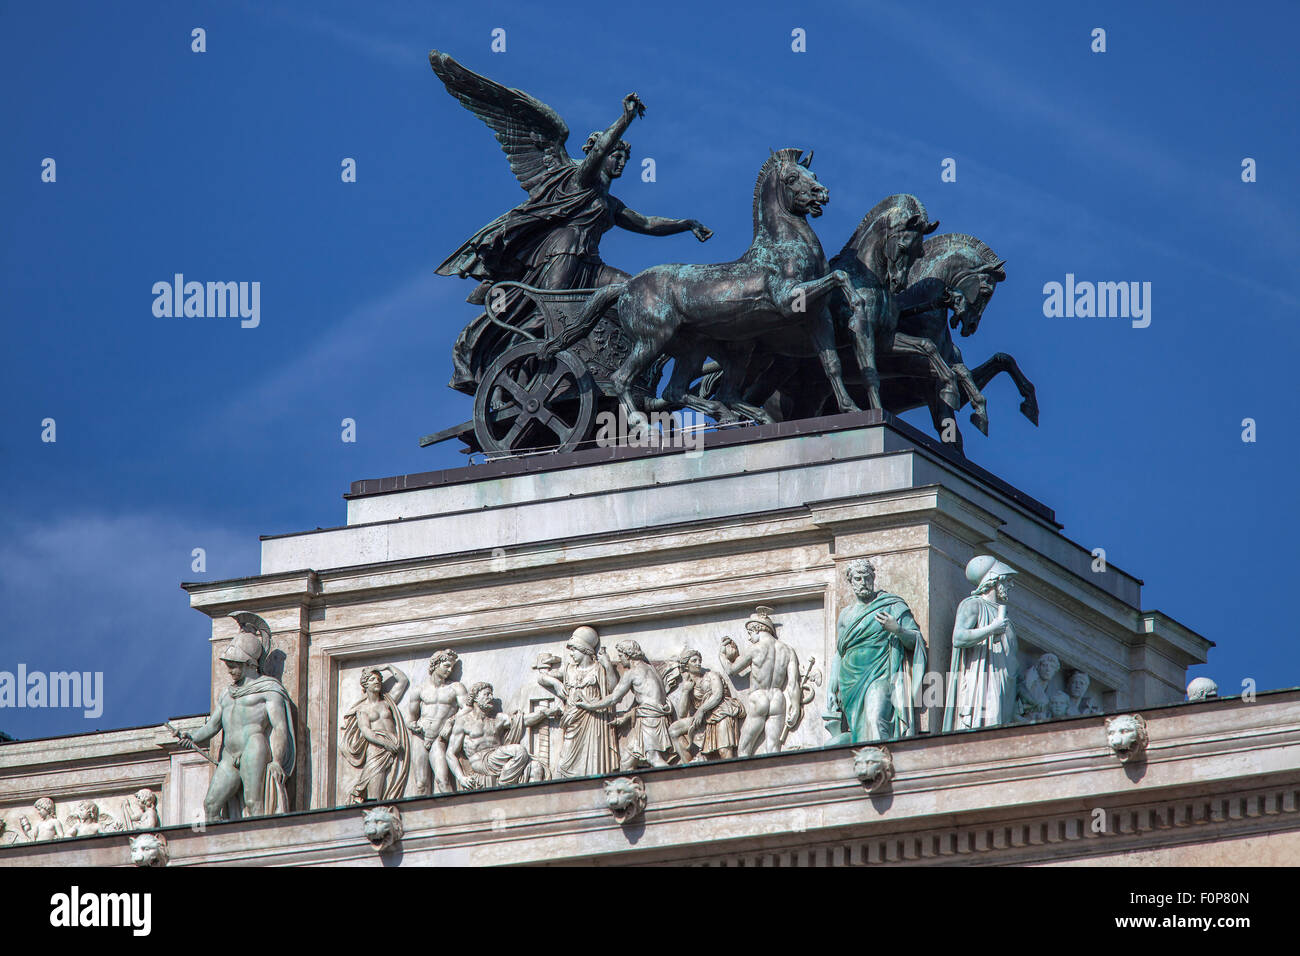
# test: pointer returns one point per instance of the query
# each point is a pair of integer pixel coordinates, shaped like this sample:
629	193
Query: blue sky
224	165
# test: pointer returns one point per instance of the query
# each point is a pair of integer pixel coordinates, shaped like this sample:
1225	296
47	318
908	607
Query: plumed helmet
762	616
585	639
983	569
253	642
244	649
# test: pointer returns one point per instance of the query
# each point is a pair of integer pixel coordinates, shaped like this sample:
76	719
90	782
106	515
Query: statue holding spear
255	718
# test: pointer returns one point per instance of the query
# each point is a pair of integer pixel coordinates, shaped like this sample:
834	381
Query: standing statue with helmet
982	674
255	718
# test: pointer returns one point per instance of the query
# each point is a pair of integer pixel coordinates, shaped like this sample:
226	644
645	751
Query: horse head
785	188
889	239
968	268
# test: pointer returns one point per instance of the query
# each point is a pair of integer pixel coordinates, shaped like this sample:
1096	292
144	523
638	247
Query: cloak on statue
372	761
868	653
275	792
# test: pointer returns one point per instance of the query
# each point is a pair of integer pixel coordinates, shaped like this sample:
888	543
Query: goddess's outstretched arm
633	221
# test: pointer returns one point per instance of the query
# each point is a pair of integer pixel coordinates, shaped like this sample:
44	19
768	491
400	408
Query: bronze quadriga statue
779	333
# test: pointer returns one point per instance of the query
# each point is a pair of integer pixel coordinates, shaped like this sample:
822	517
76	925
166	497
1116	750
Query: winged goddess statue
551	240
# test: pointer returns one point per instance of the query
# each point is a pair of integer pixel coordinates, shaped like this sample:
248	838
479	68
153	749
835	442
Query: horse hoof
755	414
981	422
1030	411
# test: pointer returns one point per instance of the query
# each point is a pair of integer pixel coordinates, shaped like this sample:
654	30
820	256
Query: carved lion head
1127	736
874	766
382	826
625	797
149	849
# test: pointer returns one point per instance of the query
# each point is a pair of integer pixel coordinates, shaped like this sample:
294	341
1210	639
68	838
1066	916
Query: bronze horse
877	258
960	272
691	312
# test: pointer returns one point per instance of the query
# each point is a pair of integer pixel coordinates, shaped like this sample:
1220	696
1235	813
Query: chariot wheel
525	402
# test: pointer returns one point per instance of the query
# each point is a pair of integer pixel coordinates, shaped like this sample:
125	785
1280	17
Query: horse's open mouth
814	209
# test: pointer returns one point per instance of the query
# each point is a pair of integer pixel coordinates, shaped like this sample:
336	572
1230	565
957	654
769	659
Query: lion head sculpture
626	798
149	849
874	766
1126	735
382	827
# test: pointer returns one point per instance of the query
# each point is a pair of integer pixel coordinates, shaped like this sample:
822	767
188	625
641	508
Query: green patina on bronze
776	335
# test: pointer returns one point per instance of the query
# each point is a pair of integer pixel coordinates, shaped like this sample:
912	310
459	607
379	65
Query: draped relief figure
647	739
588	745
491	743
1033	699
879	664
1075	688
375	740
708	714
146	817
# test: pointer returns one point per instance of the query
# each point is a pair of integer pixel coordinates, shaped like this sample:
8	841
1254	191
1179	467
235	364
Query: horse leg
954	376
802	299
915	345
766	380
810	295
863	326
645	349
822	332
688	364
1003	362
735	357
979	416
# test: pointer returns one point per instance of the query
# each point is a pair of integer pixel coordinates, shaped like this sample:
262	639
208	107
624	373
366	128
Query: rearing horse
693	311
877	259
957	272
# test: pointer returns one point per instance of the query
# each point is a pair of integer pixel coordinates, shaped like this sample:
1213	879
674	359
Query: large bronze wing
530	132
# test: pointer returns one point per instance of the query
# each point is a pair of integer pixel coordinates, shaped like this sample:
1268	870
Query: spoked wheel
525	403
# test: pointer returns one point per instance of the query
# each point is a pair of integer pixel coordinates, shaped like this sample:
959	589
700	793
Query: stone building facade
666	549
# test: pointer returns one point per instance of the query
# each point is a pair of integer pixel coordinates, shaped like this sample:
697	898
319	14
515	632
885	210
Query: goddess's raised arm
589	170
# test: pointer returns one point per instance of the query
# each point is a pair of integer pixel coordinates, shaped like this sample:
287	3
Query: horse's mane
934	250
906	202
789	154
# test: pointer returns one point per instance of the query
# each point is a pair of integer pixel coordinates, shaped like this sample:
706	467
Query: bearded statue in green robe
878	666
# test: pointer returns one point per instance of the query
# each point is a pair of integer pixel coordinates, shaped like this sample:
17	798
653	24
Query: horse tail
600	300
